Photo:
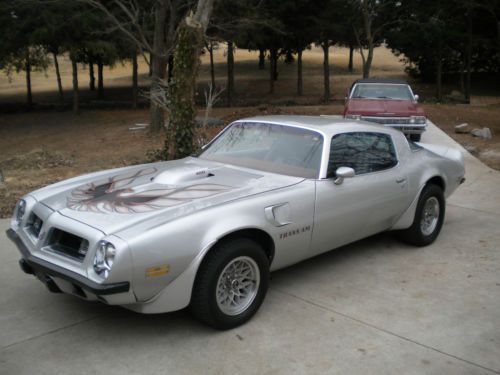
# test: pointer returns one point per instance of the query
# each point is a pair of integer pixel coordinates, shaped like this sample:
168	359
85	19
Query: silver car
205	231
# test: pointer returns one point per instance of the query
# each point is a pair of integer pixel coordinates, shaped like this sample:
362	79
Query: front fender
174	293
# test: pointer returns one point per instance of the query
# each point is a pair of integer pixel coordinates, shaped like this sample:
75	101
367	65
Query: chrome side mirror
416	97
343	172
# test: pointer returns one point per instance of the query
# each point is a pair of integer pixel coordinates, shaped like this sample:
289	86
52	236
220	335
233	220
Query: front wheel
231	284
429	217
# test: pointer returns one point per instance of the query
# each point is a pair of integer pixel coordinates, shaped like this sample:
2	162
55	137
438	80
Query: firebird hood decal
111	201
115	194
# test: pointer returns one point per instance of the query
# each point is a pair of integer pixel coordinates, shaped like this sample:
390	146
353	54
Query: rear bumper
46	271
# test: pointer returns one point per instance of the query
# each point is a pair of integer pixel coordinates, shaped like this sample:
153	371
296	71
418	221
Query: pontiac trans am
206	231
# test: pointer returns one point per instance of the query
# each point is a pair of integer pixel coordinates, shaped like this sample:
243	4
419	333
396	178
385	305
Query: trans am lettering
115	195
294	232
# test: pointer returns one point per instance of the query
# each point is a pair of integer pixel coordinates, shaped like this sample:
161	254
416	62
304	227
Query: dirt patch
37	159
477	116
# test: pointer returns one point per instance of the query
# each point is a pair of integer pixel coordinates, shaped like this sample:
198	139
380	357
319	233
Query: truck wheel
429	217
231	284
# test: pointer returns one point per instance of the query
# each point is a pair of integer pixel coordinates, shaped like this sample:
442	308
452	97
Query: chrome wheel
238	285
430	216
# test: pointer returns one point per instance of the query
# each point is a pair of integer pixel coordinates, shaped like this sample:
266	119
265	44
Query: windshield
269	147
381	91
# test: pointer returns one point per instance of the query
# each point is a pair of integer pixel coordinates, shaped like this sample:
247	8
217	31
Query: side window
365	152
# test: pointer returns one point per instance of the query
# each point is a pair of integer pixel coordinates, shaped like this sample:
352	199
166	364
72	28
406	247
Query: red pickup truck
390	102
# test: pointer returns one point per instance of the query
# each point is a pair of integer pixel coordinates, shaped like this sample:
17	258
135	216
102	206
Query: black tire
415	137
416	234
204	305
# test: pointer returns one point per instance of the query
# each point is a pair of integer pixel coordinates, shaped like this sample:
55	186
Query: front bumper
408	129
46	272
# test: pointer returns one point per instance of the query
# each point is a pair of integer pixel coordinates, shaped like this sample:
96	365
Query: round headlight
21	210
104	258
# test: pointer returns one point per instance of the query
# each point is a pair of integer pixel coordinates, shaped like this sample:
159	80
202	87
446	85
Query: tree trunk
135	85
368	63
181	127
498	35
158	67
91	75
468	58
150	72
300	86
367	22
74	68
170	67
262	58
230	73
100	79
212	67
326	71
58	76
351	55
462	74
273	70
29	96
275	64
439	67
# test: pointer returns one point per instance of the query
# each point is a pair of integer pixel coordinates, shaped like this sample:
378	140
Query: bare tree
372	21
135	20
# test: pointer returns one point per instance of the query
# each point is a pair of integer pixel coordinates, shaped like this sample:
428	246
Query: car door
365	204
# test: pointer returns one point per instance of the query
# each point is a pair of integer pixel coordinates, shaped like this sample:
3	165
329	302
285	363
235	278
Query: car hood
380	107
113	200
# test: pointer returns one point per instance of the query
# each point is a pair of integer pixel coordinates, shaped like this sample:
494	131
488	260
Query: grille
387	120
68	244
35	225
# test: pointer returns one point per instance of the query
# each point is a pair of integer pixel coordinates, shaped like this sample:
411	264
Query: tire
215	299
415	137
429	217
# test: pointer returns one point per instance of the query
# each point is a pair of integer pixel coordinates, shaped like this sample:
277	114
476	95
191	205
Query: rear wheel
429	217
415	137
231	284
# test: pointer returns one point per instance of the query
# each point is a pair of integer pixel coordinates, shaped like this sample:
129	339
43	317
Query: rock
1	177
492	155
484	133
473	150
462	128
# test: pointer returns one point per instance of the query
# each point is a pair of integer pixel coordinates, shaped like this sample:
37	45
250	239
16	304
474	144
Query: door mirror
416	97
343	172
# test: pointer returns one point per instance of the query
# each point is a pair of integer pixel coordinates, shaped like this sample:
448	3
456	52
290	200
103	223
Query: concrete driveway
373	307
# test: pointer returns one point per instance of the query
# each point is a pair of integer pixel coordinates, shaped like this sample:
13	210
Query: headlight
418	119
104	258
353	117
21	210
